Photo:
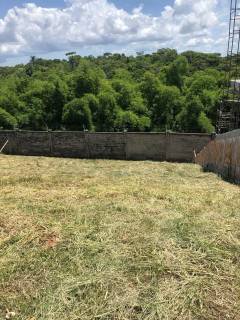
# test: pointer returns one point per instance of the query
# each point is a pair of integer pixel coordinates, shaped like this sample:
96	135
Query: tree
107	112
205	123
77	115
73	59
51	96
201	61
149	88
34	118
201	81
138	105
128	120
125	93
57	100
165	55
92	102
205	86
86	79
193	119
11	103
144	92
7	121
176	71
167	103
31	66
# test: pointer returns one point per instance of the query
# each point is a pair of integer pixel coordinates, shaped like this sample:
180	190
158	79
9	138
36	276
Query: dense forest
114	92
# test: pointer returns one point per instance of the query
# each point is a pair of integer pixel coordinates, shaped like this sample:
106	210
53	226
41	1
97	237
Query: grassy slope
117	240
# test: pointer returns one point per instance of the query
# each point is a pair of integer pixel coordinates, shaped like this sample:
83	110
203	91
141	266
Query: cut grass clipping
117	240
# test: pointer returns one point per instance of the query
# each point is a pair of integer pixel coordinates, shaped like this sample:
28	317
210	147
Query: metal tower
229	113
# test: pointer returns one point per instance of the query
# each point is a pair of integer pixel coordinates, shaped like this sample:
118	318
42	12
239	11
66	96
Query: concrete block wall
181	146
106	145
222	156
68	144
146	146
35	143
122	146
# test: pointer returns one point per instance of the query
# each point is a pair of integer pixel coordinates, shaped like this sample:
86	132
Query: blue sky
49	28
150	6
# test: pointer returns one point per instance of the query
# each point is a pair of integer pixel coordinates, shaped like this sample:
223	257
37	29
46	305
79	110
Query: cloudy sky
49	28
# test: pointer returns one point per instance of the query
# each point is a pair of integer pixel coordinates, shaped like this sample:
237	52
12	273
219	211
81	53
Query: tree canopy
114	92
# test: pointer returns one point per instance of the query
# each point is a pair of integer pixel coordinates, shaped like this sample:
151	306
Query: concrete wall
180	147
146	146
222	156
122	146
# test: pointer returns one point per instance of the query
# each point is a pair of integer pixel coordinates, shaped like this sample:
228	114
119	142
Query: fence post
125	145
87	143
167	143
14	146
50	143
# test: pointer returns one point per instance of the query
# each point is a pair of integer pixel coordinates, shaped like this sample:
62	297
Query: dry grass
117	240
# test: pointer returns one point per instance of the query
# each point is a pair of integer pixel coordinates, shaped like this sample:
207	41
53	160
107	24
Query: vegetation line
114	92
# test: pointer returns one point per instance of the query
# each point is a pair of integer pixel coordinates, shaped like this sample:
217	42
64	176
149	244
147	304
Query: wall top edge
116	133
229	135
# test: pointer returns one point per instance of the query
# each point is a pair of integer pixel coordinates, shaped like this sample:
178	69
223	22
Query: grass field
115	240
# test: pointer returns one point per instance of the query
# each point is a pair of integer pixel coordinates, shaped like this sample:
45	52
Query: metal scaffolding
229	112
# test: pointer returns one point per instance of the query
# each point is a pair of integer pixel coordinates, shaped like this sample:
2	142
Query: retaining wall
222	156
122	146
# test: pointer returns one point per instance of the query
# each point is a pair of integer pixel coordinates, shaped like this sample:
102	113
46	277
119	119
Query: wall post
125	145
167	144
14	144
87	144
50	143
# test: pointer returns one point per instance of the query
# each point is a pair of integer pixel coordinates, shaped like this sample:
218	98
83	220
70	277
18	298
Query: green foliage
7	121
10	103
201	81
92	102
34	118
146	92
149	88
86	79
128	120
201	61
129	96
107	112
165	56
192	118
59	96
125	93
167	104
50	96
205	123
77	115
177	70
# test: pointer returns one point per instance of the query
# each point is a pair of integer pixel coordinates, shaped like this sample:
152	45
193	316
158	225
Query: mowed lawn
82	239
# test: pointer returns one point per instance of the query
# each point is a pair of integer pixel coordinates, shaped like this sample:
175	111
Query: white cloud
34	30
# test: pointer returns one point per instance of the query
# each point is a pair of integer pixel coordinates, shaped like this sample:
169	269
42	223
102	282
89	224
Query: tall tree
77	115
176	71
